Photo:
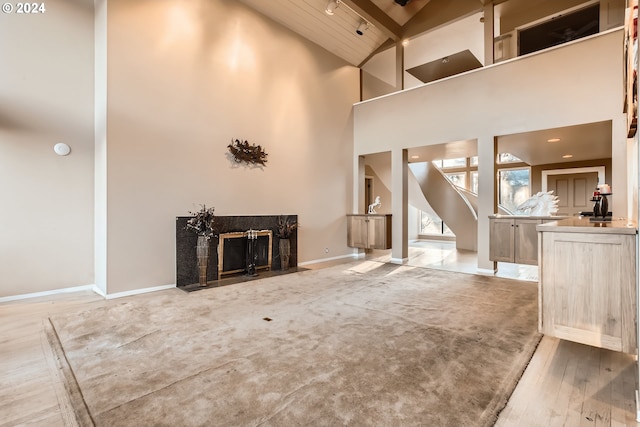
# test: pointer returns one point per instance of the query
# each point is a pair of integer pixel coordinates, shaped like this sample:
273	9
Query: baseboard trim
92	288
318	261
399	260
487	271
139	291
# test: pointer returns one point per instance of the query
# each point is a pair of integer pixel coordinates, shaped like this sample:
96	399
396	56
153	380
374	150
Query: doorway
368	192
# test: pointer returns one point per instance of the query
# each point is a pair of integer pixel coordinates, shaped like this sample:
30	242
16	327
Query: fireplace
231	230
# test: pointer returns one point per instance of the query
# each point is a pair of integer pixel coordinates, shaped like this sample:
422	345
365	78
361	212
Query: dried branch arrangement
202	222
285	227
242	151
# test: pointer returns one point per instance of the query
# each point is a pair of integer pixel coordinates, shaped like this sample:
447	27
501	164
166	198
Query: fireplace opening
233	252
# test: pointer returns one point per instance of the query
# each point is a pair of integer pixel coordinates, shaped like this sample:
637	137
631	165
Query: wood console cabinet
514	238
587	284
369	231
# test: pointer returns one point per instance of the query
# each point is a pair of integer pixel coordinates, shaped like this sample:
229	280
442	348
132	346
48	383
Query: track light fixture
364	25
331	7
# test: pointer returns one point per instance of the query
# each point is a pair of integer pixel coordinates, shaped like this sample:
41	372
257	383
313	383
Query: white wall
46	97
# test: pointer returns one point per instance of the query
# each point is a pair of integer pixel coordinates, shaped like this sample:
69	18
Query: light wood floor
565	384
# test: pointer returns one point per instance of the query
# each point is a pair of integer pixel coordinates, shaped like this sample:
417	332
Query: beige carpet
362	344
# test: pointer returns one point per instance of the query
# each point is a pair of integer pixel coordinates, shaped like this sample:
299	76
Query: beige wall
541	91
46	97
373	87
174	84
181	84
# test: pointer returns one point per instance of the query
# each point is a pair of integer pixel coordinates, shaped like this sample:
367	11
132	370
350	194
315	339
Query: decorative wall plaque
251	154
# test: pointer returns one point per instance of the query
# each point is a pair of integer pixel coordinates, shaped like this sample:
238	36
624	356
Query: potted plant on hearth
283	230
201	223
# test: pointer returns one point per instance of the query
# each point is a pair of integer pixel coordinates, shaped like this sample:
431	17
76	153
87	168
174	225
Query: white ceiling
336	33
584	142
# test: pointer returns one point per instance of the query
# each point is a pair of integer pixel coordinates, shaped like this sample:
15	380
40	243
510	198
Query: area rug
361	344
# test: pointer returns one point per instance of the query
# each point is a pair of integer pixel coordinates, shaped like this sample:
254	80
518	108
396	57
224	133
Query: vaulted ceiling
388	22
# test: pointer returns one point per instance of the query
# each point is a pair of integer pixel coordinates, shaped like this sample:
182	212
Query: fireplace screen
233	252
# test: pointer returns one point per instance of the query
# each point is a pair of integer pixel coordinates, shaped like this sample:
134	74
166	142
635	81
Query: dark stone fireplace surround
186	262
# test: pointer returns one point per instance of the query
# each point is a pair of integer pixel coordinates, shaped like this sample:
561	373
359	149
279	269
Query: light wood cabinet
514	239
587	285
369	231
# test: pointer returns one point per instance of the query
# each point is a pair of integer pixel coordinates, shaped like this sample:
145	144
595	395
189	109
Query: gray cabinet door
526	241
357	235
502	240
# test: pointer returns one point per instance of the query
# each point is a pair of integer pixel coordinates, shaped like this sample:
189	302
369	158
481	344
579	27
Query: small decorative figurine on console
376	204
543	203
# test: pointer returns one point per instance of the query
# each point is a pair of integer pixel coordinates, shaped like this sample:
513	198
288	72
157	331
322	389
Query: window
474	182
514	187
431	224
460	162
508	158
460	171
458	178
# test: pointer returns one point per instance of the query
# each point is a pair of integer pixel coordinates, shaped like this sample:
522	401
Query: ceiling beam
377	17
437	13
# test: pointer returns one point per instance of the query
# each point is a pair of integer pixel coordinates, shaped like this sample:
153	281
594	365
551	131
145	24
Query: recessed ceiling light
553	140
567	156
415	157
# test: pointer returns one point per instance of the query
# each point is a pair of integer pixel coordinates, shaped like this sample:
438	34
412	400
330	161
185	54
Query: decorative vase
604	206
596	207
202	252
285	253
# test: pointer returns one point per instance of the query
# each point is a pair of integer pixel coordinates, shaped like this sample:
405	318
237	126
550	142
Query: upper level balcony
519	28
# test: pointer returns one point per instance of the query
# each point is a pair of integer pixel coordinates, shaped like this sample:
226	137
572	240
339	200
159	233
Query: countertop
582	224
553	217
